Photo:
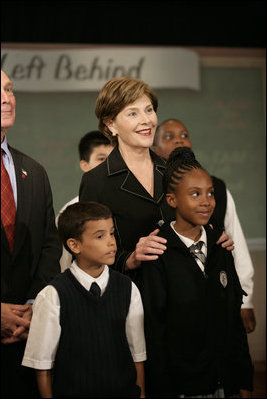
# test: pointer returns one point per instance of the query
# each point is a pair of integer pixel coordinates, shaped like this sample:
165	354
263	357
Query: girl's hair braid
181	160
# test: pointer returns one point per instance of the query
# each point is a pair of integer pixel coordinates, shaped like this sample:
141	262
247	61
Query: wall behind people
225	118
56	123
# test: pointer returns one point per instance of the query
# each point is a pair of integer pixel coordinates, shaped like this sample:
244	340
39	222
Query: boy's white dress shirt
45	328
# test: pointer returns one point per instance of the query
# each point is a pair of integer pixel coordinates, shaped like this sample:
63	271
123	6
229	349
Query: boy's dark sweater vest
93	357
217	219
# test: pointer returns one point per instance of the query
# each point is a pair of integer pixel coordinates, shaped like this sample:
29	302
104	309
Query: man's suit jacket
136	214
37	249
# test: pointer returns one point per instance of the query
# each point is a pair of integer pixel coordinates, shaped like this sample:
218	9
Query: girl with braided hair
196	342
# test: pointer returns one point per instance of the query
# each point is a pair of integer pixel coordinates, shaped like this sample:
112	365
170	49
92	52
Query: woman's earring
114	134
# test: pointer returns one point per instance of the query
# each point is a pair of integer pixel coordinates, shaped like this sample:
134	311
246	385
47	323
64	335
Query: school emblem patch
223	278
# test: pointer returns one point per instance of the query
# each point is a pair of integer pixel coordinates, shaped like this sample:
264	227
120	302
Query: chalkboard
226	121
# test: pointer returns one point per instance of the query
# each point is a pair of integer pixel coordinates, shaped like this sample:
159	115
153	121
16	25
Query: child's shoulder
120	285
61	278
114	275
213	233
166	230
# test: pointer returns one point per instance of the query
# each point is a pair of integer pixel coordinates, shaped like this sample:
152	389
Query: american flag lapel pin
23	173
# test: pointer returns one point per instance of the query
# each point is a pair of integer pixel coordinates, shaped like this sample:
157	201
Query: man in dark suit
30	250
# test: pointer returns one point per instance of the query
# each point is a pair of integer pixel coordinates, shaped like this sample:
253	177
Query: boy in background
171	134
94	148
87	323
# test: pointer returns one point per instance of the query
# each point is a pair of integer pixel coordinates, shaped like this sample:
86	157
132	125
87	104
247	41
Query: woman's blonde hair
115	95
